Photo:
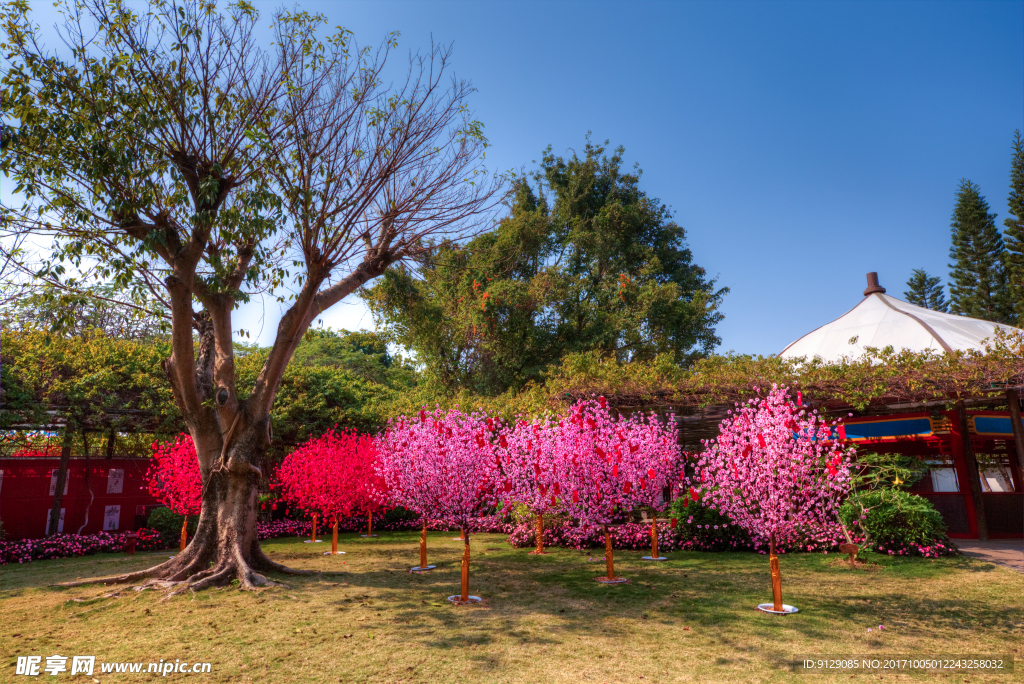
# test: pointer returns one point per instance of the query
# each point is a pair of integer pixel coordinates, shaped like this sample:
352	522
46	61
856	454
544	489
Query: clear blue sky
801	144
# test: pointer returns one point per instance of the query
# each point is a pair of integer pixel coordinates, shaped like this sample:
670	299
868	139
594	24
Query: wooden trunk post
465	567
423	546
334	537
312	537
609	559
540	536
184	533
369	524
773	561
973	474
654	539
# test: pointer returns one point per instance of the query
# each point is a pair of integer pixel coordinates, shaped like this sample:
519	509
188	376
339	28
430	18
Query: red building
99	494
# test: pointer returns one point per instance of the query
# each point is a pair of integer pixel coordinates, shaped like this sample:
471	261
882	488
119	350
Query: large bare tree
167	147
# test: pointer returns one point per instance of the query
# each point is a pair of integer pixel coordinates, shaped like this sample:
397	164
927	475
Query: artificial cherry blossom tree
779	472
443	465
335	476
175	480
530	476
608	465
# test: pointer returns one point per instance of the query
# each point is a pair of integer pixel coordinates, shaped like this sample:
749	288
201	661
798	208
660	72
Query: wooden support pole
369	524
465	567
654	538
312	534
773	562
334	537
973	474
423	545
184	534
609	559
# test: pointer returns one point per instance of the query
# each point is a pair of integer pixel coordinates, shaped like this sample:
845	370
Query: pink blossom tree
335	476
443	465
607	466
530	475
779	472
175	480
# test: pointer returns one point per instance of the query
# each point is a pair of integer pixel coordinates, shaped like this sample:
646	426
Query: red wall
25	499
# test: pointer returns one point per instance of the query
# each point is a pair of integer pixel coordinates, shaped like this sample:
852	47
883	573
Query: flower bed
70	545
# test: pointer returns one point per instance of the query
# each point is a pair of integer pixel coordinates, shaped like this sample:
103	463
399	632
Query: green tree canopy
1015	230
977	276
585	261
925	290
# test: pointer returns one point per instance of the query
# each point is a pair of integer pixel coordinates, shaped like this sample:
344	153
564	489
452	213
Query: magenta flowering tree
779	472
529	467
175	480
607	466
334	476
443	465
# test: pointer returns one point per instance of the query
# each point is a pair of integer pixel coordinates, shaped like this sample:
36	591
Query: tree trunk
609	559
465	567
224	547
334	537
773	563
654	539
184	534
540	536
62	477
312	532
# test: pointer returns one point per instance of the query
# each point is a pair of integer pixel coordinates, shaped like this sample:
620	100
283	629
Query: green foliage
1014	232
891	516
873	471
978	285
601	267
709	529
168	524
925	290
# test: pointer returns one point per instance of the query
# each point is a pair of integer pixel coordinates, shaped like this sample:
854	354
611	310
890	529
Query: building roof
880	321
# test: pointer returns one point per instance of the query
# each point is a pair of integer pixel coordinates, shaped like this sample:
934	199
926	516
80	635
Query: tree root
261	562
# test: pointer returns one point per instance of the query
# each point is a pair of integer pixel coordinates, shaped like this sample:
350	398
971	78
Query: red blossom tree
779	472
443	465
175	480
608	466
334	476
530	476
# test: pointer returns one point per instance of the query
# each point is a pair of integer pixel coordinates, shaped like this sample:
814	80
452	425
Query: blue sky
801	144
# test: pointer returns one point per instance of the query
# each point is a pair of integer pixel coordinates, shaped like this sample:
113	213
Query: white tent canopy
880	321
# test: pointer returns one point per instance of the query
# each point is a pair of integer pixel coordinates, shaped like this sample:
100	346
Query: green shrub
705	529
883	517
168	524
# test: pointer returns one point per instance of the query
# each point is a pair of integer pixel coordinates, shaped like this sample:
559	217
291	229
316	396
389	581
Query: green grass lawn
364	618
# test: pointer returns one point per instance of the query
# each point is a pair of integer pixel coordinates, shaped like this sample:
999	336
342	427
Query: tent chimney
873	285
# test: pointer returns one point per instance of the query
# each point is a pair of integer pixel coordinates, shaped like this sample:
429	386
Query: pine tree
977	276
1014	232
926	291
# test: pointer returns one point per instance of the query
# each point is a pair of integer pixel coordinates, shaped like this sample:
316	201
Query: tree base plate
659	558
770	608
457	600
461	539
367	535
312	541
422	569
334	553
614	580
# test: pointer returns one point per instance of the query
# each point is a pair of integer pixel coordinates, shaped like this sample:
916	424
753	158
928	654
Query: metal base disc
332	553
457	600
605	580
659	558
458	539
312	541
422	569
770	608
367	535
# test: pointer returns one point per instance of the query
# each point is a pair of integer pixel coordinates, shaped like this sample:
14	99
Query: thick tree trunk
53	522
539	551
224	547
